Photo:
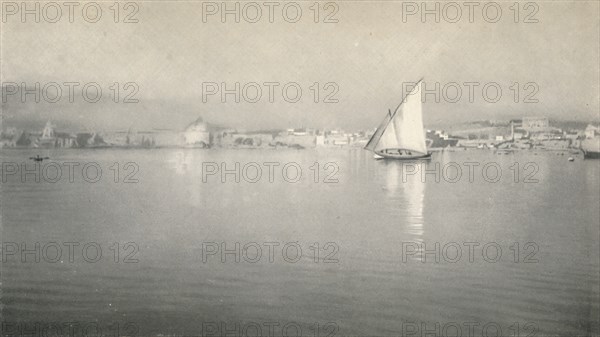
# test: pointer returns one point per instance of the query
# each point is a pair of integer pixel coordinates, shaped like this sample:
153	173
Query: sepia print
300	168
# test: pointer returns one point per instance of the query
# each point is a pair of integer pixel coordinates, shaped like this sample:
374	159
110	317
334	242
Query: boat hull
401	154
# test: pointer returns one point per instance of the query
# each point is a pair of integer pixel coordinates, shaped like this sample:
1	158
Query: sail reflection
407	193
187	165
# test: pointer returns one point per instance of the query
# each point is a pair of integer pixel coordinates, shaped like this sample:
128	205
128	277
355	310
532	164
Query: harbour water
534	234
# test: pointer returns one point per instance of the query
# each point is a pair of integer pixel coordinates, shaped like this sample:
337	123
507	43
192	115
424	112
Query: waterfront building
48	131
292	140
251	140
24	139
591	131
52	138
166	138
300	132
90	139
48	137
518	135
572	135
439	139
64	139
320	140
517	123
535	124
118	138
151	138
339	140
197	134
8	138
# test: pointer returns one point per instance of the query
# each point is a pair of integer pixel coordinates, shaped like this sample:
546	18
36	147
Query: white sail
408	122
388	139
379	132
404	128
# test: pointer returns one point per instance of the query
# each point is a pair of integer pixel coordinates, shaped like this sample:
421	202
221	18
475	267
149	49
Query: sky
179	52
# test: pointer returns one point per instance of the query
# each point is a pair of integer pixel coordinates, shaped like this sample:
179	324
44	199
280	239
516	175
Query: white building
591	131
197	134
48	132
535	123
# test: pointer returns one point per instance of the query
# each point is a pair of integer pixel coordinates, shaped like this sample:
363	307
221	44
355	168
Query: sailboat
400	135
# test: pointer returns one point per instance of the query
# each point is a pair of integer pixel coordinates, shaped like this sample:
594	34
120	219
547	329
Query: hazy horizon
368	54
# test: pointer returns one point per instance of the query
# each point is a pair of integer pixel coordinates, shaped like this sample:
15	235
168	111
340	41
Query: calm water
374	222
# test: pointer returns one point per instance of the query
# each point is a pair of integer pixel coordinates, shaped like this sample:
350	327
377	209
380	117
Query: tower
48	131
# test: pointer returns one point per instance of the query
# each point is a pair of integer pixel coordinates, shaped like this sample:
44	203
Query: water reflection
170	212
406	195
180	161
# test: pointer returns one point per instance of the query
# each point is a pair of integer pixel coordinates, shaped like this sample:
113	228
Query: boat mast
383	127
406	96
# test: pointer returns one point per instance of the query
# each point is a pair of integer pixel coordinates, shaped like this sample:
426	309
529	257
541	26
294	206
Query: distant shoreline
435	150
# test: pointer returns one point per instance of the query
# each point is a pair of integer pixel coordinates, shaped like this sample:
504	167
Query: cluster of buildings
295	138
48	137
197	134
525	133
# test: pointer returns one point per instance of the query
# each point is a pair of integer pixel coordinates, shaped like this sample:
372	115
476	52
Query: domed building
51	138
197	134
